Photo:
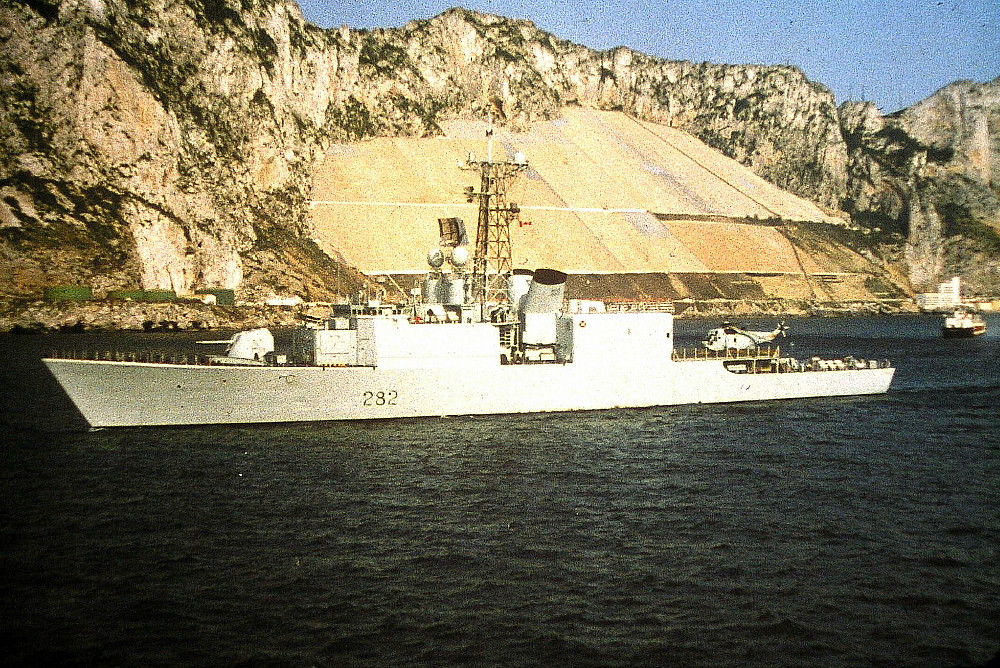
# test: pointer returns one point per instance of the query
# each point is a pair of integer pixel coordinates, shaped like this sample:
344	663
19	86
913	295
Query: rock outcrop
161	144
930	172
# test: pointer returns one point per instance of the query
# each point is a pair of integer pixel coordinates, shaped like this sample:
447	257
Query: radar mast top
493	258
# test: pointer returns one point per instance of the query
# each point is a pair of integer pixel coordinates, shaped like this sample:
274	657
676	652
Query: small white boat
963	323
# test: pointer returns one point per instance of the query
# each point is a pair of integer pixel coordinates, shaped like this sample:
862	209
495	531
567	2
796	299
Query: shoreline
41	317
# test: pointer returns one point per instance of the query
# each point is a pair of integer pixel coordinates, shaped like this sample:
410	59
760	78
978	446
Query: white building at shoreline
947	297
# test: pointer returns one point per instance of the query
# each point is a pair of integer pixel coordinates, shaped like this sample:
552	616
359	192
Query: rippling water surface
825	532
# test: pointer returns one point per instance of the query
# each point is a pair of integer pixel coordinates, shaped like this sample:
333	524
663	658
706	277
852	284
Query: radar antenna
492	260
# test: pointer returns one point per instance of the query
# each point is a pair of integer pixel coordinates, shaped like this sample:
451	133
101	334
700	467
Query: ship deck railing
145	357
639	306
691	354
769	360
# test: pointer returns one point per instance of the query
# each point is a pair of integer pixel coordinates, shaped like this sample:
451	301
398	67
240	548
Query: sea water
859	531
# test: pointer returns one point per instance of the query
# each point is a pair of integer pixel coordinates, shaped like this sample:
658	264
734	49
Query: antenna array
492	260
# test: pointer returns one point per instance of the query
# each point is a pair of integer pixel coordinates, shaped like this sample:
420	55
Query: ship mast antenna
493	257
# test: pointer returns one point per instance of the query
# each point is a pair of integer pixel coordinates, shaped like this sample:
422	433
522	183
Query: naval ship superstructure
490	340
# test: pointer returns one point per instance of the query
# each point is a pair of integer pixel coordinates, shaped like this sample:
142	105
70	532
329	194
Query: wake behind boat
486	341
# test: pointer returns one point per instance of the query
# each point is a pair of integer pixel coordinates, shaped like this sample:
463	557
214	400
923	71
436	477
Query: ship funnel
545	294
517	287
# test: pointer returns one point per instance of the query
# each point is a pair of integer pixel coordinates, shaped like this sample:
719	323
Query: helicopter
731	337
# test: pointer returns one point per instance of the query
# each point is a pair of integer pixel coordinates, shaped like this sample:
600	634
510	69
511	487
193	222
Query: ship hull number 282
381	398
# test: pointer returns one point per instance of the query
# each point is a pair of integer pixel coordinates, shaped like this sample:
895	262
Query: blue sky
892	52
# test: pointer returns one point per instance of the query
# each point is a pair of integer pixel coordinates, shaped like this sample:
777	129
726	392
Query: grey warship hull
111	394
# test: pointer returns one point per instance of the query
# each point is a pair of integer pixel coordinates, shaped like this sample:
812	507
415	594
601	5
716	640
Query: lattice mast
492	260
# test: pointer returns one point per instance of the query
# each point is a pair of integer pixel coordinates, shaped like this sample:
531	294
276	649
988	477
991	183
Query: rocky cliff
930	172
162	145
170	143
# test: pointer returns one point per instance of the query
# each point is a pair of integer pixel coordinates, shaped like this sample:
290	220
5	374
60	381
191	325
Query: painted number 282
386	398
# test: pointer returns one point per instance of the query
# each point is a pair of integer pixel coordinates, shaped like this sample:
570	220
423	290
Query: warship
476	337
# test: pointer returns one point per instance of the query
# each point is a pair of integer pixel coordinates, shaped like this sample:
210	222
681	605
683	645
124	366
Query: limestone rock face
152	144
170	144
768	117
962	119
930	172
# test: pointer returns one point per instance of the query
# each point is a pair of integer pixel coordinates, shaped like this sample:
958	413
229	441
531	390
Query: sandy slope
590	197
